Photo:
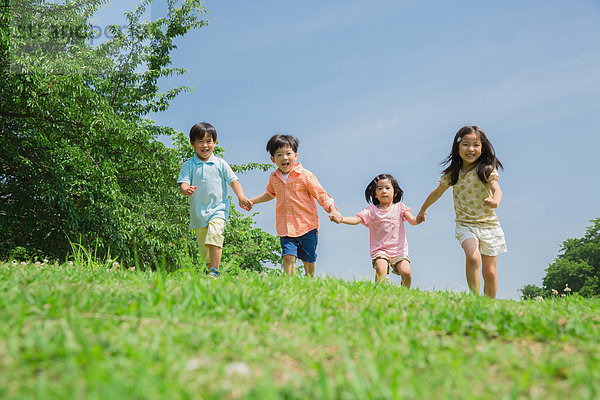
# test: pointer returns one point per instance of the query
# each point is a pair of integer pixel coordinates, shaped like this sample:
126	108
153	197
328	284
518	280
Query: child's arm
239	192
351	220
262	198
411	219
496	197
432	198
323	198
186	189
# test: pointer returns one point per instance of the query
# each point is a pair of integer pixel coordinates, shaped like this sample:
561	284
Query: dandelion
555	292
567	288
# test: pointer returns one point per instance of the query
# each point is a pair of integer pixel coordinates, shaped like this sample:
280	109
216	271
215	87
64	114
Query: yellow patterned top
469	193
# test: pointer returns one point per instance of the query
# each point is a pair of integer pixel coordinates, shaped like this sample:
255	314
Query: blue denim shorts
303	247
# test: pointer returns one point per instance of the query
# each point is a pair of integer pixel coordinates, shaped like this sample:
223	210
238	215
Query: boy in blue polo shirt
205	178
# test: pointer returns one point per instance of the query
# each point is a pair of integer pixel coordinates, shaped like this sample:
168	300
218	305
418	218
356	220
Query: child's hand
421	217
335	216
190	190
490	202
245	203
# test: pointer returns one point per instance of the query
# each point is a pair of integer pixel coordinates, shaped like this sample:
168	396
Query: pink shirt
386	230
296	212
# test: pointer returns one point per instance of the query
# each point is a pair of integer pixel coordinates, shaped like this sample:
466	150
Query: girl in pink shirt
385	220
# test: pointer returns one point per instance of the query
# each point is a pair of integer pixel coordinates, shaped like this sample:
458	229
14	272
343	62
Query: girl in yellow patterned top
472	171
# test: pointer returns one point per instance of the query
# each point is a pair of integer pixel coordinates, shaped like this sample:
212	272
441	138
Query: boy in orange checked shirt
296	215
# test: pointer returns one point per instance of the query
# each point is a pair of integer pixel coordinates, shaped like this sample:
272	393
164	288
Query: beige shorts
211	234
491	240
392	262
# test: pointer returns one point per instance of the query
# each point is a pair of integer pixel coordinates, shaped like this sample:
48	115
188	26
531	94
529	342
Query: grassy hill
79	332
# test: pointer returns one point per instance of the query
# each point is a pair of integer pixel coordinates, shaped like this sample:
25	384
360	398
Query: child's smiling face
285	159
204	147
384	192
469	149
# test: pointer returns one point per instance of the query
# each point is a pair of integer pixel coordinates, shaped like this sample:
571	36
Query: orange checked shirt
296	211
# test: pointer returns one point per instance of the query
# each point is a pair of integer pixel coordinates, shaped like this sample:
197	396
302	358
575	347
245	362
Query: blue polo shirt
210	198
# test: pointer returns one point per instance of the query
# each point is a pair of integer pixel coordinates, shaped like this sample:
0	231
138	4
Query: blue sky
382	86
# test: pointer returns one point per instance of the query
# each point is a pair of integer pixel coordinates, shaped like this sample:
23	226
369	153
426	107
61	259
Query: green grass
76	332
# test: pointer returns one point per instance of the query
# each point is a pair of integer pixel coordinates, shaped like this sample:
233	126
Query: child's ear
273	159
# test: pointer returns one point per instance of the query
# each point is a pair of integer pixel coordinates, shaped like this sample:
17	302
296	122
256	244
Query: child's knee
381	268
473	258
488	274
403	269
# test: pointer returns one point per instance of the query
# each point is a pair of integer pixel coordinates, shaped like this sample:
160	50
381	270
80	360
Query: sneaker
213	273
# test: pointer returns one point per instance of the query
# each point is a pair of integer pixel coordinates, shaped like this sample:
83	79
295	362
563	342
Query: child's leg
214	242
214	257
289	264
309	268
490	278
307	251
473	258
403	268
201	238
381	269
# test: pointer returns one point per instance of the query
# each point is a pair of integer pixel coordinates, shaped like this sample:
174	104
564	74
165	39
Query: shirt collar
297	169
211	160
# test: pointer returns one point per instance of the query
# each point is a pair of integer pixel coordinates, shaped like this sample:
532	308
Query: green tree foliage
578	266
79	159
530	292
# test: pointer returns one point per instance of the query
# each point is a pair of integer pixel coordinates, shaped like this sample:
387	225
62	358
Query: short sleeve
445	180
228	173
494	176
365	216
403	209
270	188
185	175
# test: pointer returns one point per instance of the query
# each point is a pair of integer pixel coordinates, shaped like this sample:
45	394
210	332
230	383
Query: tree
578	266
530	292
79	159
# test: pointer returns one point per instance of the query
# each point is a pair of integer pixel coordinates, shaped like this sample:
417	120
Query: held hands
245	203
421	217
335	216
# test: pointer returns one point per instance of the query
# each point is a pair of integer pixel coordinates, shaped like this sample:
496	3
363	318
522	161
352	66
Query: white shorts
491	240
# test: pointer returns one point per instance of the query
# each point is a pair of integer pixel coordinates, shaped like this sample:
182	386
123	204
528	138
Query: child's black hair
202	129
280	140
486	163
372	187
